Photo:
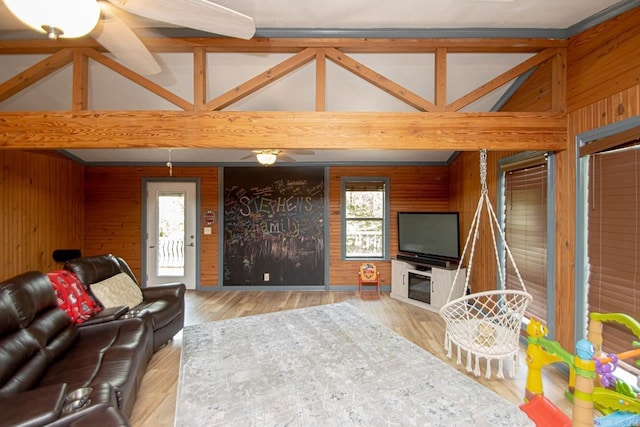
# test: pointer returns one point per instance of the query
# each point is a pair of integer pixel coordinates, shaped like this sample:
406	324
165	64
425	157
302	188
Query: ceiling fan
269	156
103	21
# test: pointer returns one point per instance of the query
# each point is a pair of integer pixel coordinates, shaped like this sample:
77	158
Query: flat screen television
429	234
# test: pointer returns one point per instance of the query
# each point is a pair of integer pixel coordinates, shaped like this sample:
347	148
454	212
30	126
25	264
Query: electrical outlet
266	277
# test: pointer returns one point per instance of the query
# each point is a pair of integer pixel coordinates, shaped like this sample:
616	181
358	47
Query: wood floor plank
155	405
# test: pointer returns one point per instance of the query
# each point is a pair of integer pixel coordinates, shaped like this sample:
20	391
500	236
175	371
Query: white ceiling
537	18
417	13
426	14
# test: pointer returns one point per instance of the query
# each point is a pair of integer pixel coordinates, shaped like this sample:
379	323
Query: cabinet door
399	285
439	287
458	286
441	282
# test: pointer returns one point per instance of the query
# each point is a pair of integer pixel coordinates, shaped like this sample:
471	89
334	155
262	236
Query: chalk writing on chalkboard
274	226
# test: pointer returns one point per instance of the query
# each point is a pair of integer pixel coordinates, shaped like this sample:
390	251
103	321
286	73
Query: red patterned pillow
72	297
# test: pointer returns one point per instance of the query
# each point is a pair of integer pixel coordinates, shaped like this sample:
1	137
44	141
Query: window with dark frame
525	193
613	234
364	218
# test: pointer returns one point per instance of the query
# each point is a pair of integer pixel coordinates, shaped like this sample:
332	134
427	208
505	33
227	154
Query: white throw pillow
117	291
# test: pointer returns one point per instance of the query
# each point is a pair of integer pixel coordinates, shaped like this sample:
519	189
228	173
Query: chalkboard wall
274	224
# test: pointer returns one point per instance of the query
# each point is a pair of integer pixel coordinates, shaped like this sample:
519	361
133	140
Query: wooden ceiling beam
368	45
502	79
199	78
283	130
80	90
379	81
138	79
559	82
34	73
349	45
440	83
321	80
261	80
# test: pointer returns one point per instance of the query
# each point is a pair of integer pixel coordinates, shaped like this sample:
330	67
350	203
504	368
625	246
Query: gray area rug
329	365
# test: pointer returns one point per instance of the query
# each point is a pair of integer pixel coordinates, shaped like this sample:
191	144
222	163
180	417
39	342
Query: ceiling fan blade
302	152
285	158
112	33
248	157
197	14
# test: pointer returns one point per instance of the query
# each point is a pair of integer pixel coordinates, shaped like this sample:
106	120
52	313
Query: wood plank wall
464	195
603	76
42	209
412	188
600	113
535	92
113	211
603	61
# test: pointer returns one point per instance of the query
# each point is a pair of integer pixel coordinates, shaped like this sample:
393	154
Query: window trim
516	161
344	180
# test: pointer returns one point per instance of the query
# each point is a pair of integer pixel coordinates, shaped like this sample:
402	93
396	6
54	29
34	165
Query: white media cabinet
430	284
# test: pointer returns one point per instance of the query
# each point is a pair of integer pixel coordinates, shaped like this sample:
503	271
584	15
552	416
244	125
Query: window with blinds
525	202
613	233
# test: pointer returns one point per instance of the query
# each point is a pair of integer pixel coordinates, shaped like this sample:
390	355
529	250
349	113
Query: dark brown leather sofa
54	373
164	303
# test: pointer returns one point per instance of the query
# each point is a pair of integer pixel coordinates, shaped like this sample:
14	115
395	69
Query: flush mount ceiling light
270	156
57	18
267	157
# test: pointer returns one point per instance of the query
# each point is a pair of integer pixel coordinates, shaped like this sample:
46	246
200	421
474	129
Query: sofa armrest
100	409
99	416
106	315
169	289
33	407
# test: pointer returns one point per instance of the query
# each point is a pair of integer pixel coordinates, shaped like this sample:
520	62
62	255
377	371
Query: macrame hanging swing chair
485	324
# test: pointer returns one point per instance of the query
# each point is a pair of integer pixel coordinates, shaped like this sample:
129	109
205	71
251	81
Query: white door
171	242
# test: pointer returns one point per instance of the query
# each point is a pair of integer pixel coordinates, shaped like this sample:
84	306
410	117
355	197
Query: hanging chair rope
474	229
485	324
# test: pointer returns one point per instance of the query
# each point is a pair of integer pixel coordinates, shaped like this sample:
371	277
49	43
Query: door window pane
171	234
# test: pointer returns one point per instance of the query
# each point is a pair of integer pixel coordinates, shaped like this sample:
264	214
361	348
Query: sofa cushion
164	303
37	407
72	297
34	331
117	291
95	268
115	352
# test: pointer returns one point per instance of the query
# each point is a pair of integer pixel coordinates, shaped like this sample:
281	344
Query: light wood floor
155	405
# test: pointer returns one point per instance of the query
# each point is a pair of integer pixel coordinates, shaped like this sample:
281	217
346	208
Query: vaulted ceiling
413	19
401	14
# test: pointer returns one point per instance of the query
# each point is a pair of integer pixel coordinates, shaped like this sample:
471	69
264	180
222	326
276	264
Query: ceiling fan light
57	18
266	158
